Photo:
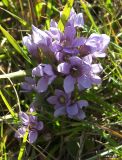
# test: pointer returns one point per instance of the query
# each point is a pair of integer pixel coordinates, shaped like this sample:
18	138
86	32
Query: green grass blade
7	104
84	5
49	6
22	21
10	39
1	142
5	2
65	14
108	2
22	148
14	44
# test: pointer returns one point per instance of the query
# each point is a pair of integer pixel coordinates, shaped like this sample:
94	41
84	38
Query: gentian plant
64	56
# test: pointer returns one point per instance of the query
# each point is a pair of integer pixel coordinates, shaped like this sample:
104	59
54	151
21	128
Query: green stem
20	73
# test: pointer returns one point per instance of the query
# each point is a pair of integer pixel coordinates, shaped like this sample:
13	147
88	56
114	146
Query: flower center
75	72
62	99
84	50
66	57
31	126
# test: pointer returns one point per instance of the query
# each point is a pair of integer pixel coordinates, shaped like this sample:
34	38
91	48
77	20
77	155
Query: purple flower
75	20
63	105
29	84
95	45
29	122
75	110
65	44
79	71
31	46
60	100
38	40
47	75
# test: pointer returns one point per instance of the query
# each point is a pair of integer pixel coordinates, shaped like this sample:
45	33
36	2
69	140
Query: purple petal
59	56
99	54
32	48
30	80
81	88
24	117
56	47
86	68
27	40
59	92
60	111
40	125
51	79
69	84
32	136
78	42
74	60
93	41
98	42
71	51
48	70
72	12
52	99
88	59
39	36
85	81
33	119
106	41
96	68
42	85
81	115
55	33
53	23
63	68
20	132
38	71
82	103
96	79
85	50
101	39
78	21
72	110
69	32
26	86
32	108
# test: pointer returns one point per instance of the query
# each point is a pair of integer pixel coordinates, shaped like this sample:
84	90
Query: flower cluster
71	59
30	124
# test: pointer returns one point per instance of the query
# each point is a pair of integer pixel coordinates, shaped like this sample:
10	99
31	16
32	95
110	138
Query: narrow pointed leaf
22	148
14	44
22	21
7	105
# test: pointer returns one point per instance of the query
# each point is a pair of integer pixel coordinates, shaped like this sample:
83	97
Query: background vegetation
100	134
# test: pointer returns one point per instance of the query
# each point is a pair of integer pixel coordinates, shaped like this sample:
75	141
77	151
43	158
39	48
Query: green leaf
22	148
108	2
38	9
7	105
65	14
5	2
22	21
86	9
49	7
14	44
